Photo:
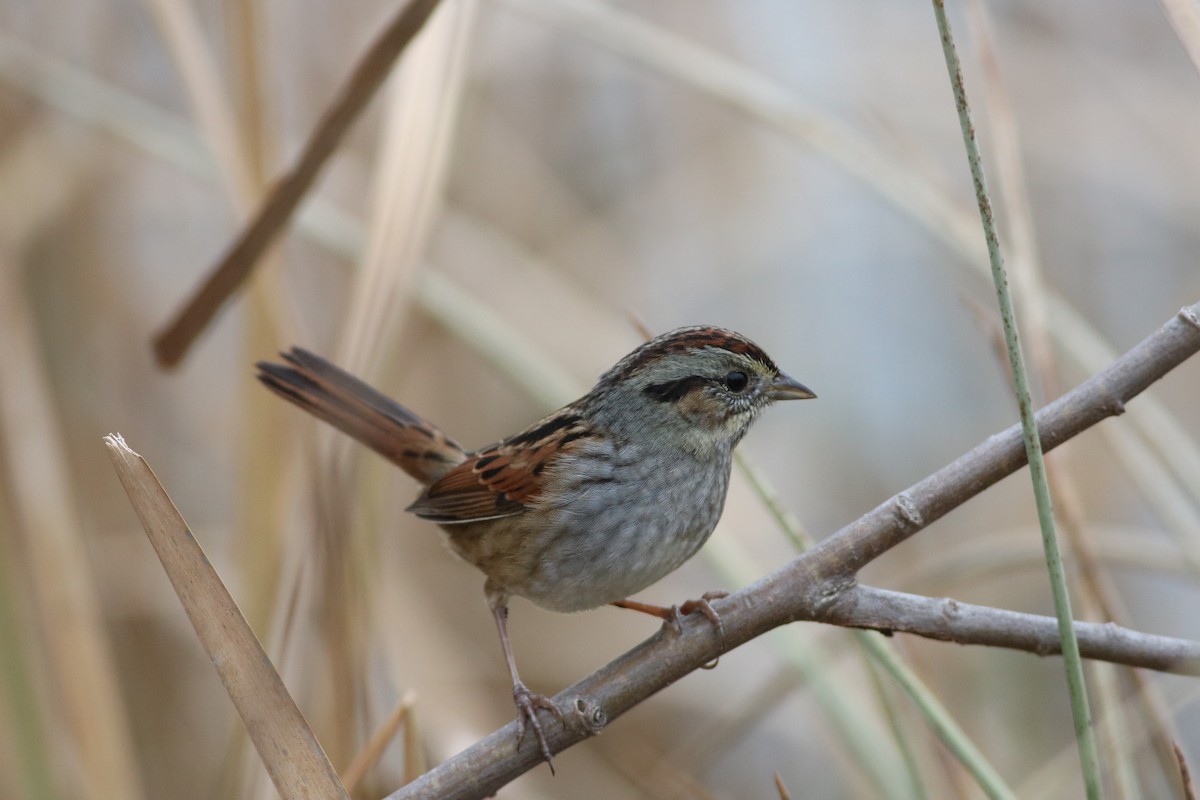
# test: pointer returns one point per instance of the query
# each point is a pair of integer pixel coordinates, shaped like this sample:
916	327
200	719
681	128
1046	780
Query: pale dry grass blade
83	672
1184	16
264	493
269	321
1058	776
23	162
974	560
263	489
253	106
771	104
422	114
81	96
182	33
239	147
500	340
288	638
482	328
26	762
286	194
369	756
473	320
288	748
415	762
784	794
239	150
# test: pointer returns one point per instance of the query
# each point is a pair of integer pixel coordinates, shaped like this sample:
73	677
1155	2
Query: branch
949	620
1103	395
289	189
820	585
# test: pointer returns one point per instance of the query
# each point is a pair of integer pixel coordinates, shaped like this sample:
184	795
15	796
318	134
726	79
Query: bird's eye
736	381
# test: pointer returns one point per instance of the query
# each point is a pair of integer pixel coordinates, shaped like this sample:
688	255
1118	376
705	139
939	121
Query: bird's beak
785	388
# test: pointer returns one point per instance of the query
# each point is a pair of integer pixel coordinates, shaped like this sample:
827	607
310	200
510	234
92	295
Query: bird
592	503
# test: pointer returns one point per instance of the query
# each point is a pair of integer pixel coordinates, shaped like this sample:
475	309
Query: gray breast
621	519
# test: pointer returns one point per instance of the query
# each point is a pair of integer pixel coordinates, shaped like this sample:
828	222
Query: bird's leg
675	614
527	702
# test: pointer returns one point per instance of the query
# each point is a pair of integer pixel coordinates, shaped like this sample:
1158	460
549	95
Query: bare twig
281	202
952	621
820	584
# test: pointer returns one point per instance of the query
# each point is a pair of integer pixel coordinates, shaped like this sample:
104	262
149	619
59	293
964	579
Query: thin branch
820	583
952	621
1101	396
281	202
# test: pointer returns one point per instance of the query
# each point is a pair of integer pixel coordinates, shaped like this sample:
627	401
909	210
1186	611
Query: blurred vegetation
536	171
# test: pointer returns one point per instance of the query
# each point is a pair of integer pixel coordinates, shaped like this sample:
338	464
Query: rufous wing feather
503	479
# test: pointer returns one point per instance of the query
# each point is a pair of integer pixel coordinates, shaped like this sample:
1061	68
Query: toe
528	704
705	607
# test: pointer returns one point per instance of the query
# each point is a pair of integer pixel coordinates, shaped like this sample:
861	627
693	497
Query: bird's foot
675	614
704	606
528	704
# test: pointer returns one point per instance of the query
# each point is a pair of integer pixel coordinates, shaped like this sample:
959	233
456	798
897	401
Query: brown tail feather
330	393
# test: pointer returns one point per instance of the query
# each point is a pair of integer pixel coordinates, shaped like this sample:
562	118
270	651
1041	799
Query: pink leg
675	614
527	702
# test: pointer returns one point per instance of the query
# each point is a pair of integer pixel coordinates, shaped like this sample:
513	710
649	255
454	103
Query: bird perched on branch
591	504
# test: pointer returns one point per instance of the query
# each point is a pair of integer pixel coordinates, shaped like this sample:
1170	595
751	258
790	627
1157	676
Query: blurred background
536	173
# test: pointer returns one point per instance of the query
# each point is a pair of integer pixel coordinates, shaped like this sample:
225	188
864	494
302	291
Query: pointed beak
785	388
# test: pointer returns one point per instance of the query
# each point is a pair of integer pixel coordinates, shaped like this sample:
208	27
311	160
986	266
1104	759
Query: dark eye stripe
671	391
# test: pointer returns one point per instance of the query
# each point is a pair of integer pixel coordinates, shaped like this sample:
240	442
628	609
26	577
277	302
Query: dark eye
736	381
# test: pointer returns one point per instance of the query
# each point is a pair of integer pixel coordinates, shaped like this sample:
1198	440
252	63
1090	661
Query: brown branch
952	621
1103	395
820	585
281	201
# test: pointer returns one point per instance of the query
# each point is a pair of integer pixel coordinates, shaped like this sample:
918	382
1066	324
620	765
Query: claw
704	607
675	614
527	705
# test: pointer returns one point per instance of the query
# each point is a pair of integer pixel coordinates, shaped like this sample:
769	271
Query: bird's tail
330	393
